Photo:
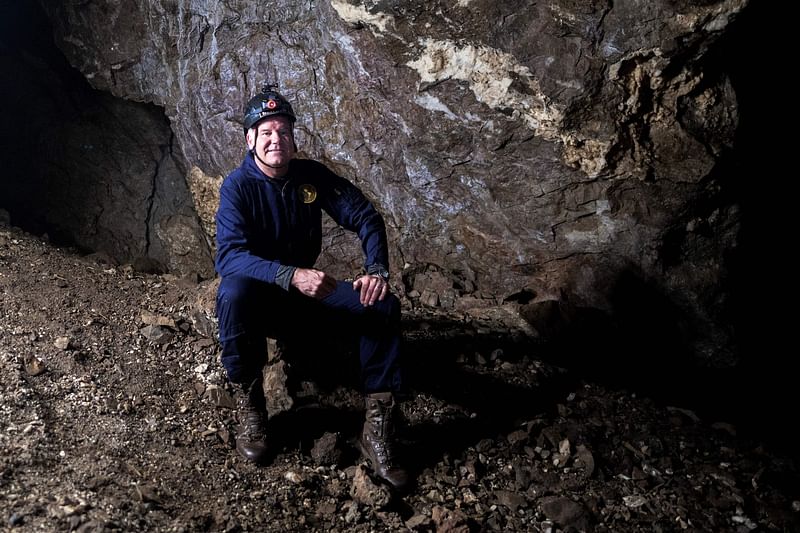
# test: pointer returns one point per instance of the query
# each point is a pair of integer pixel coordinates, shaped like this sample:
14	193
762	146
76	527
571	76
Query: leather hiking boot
251	440
377	440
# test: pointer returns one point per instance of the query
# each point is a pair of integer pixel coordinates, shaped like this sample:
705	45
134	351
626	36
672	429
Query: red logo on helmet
272	104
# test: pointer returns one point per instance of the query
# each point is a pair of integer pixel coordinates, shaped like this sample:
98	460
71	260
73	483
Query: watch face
382	272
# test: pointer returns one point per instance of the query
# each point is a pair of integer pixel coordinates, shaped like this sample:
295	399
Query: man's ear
250	138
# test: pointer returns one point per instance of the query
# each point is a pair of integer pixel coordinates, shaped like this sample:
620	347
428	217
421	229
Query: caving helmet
269	102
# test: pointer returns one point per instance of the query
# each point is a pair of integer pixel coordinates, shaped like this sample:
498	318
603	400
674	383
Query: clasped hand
317	284
373	288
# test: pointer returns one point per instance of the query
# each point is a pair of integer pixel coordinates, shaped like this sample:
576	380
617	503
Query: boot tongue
381	396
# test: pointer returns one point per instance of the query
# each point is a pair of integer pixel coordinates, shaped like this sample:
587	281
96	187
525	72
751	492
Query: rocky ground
114	416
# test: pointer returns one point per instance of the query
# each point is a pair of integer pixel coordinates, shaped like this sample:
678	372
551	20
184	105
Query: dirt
115	416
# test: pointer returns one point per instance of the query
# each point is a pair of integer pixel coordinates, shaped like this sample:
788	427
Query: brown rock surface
561	149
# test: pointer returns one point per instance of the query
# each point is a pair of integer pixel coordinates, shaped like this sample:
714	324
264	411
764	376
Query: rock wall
560	152
88	168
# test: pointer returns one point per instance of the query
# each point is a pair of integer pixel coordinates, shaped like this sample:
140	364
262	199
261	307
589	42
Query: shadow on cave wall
647	344
763	388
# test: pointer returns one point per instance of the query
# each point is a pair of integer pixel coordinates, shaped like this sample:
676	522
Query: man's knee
235	310
392	303
236	290
389	309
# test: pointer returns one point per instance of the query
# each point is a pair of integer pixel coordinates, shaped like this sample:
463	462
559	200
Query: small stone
146	492
220	397
367	492
448	521
326	509
586	459
429	298
293	476
447	299
418	521
276	388
634	501
62	343
353	514
565	512
33	365
484	445
157	334
517	437
226	437
564	447
325	450
510	499
152	319
469	497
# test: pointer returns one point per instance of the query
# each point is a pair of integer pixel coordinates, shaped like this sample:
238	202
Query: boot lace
383	441
252	423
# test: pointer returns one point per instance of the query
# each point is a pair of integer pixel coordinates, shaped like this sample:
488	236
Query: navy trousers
249	311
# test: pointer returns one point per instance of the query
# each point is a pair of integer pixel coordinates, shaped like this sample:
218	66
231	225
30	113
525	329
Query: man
269	235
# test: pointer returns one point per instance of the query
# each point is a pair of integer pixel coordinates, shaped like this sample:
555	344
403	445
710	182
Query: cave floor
114	416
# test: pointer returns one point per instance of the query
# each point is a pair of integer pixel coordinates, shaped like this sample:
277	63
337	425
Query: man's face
273	140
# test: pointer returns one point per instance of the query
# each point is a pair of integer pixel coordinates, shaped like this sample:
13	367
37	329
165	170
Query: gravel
115	416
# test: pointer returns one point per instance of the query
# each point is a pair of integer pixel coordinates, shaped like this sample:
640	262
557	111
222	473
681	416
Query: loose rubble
115	416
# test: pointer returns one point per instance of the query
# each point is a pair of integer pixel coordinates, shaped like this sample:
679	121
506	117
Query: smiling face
272	141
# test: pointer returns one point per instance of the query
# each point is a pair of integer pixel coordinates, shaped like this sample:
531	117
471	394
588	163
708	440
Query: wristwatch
378	270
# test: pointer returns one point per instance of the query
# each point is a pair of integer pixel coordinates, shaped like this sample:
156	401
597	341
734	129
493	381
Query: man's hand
314	283
372	288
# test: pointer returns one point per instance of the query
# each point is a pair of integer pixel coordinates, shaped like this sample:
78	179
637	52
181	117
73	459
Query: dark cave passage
84	167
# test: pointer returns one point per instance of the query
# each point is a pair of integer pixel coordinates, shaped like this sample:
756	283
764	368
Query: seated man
269	235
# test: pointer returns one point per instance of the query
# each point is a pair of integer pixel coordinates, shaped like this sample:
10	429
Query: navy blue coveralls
265	224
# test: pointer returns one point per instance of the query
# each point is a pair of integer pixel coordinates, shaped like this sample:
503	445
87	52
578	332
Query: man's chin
278	162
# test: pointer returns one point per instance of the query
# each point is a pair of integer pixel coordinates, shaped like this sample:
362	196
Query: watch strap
378	270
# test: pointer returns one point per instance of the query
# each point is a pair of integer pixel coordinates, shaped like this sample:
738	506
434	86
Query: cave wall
565	151
87	168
